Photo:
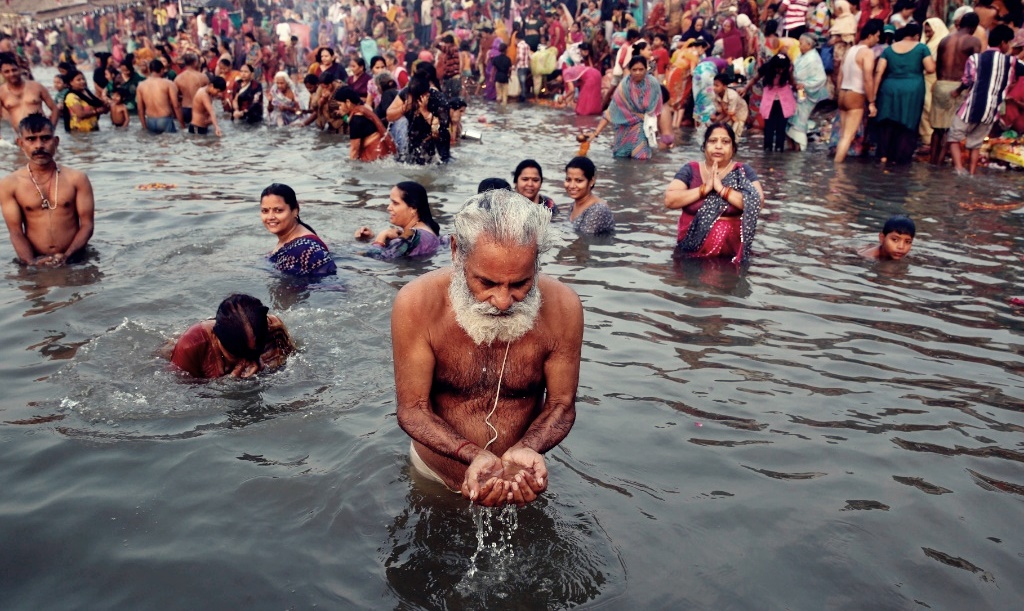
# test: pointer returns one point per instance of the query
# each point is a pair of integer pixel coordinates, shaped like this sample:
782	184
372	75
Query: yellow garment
88	124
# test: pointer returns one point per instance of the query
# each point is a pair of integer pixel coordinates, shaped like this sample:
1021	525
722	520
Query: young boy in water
894	241
119	115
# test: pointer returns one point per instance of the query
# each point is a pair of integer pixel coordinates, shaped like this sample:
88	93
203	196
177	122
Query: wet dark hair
527	163
34	123
719	125
375	59
770	27
326	78
637	59
723	78
288	195
415	196
156	65
241	326
456	103
429	72
584	164
490	184
219	83
970	21
872	27
67	66
901	224
311	79
347	94
418	86
1000	34
9	58
777	71
911	30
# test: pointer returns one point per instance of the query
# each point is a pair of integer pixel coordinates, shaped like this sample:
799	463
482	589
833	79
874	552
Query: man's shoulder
426	293
560	295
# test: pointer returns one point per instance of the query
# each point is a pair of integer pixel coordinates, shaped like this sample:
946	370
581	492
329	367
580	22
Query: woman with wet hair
414	232
242	340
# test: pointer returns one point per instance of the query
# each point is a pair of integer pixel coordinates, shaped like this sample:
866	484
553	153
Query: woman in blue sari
299	251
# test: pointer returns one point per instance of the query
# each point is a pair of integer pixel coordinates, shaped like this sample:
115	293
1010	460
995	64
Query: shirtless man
203	113
48	210
21	97
856	82
480	413
157	101
949	70
189	82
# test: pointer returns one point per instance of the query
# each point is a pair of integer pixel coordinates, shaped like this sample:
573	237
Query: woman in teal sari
637	96
810	77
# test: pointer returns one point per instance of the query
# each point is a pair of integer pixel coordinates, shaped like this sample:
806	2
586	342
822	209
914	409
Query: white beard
485	323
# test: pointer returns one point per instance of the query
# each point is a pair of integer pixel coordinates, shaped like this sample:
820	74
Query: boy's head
721	83
896	238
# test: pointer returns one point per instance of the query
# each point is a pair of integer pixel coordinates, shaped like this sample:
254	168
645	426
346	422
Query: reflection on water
814	430
443	554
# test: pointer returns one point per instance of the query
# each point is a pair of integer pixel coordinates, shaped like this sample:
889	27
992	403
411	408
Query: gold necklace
47	204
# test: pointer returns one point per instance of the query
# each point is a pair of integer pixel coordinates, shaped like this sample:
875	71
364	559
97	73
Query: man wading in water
48	210
487	356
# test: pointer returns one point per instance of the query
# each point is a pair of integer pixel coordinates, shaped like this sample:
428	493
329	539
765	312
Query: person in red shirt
241	341
659	53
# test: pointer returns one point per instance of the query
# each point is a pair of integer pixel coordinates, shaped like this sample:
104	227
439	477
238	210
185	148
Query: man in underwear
20	97
480	413
157	101
949	69
894	241
189	82
856	84
987	77
48	210
203	113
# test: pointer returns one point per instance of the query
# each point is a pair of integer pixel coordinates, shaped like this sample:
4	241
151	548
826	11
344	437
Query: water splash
495	553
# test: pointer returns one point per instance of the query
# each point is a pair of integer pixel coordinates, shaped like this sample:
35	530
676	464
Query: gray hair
810	39
505	216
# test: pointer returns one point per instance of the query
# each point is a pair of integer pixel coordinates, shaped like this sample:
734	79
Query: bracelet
459	449
725	193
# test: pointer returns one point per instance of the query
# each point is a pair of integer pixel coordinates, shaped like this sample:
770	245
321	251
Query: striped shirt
988	75
796	14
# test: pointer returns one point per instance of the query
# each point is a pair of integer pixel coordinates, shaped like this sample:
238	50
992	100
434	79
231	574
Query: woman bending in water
720	200
415	233
299	251
241	341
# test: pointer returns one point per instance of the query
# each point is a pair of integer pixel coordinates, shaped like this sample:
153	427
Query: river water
818	431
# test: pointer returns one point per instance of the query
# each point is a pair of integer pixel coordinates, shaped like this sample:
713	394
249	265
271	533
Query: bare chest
469	371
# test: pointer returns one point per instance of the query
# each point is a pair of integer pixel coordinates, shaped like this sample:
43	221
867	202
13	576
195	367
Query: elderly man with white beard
487	356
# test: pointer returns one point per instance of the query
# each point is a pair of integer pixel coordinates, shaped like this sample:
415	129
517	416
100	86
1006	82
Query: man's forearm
423	425
79	241
551	426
